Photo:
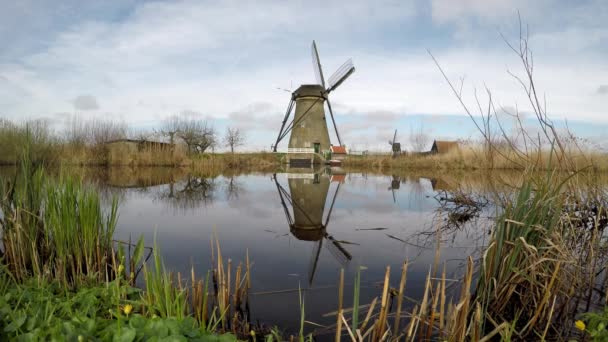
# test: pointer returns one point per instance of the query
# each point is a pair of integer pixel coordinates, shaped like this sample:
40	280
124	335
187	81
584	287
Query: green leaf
137	322
226	338
16	323
139	251
126	334
174	338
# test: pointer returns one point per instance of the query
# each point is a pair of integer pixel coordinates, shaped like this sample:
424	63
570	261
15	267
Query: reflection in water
188	193
395	185
233	188
307	196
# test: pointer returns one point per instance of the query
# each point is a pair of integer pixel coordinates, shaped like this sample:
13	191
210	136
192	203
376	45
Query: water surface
300	229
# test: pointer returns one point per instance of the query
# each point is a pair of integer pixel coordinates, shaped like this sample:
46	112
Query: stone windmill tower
309	139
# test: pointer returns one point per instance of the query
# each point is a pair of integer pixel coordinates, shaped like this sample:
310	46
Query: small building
338	152
135	145
442	146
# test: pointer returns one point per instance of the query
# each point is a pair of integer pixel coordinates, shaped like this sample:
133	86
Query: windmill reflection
395	185
307	196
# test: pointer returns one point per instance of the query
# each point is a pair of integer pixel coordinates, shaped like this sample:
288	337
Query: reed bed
434	317
470	157
55	229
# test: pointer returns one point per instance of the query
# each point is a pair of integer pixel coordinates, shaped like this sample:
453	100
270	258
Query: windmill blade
331	207
331	114
338	252
312	268
287	113
281	190
316	65
340	75
394	137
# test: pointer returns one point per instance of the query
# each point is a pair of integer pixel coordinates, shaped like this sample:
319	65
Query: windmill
307	195
395	146
309	134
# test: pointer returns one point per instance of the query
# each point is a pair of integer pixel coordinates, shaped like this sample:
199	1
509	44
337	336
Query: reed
55	229
470	157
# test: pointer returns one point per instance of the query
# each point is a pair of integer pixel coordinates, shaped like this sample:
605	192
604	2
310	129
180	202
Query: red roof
338	149
338	178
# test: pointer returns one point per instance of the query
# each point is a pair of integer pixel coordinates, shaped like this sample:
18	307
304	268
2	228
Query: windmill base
304	159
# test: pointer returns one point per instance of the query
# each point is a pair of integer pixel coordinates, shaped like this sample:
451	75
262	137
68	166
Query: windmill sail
340	75
316	65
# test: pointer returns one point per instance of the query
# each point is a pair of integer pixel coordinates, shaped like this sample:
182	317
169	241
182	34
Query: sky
230	62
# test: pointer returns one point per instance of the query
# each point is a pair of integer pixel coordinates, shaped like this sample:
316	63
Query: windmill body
309	141
309	137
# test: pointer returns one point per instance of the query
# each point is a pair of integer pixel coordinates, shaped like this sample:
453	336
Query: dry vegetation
475	157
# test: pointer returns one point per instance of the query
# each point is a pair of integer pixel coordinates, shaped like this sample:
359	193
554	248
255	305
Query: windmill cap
308	233
314	90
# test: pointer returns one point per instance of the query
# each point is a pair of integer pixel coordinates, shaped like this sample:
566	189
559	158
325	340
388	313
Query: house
136	145
338	152
442	146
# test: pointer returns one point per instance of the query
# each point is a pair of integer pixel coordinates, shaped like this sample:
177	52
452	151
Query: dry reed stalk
442	302
228	281
549	319
545	299
369	314
476	323
411	330
496	330
237	283
423	305
458	329
340	297
221	279
350	332
400	297
434	306
383	304
248	269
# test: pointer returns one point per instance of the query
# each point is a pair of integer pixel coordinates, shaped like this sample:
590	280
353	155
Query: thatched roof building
442	146
139	145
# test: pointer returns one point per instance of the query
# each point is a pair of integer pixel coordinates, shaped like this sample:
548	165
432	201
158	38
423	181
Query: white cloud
85	102
225	61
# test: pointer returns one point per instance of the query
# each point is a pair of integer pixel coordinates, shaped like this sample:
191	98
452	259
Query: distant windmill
309	134
395	146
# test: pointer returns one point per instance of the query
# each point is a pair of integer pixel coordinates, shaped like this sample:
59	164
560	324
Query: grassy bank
468	158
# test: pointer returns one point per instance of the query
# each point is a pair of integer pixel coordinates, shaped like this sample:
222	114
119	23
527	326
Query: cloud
603	89
223	61
85	102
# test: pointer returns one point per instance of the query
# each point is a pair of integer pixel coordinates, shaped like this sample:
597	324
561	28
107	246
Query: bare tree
95	132
234	138
419	140
198	135
170	127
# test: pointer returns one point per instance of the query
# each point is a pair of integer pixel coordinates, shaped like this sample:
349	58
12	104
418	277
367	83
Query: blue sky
141	61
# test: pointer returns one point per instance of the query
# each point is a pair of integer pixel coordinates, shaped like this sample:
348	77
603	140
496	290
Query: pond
299	228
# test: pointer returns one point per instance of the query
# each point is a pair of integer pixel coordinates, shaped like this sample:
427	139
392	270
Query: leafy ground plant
40	312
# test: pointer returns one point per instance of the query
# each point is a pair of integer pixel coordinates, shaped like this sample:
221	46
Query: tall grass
43	144
55	229
469	157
